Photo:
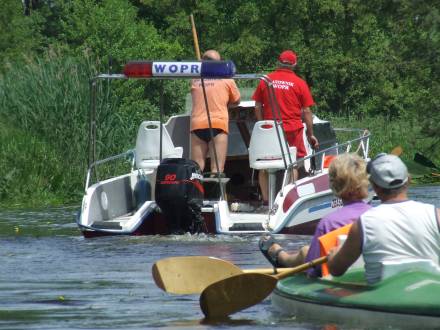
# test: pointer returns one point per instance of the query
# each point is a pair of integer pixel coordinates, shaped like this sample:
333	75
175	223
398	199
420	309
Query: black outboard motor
179	194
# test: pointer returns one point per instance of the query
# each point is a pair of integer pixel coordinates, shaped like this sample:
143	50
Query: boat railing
129	154
362	143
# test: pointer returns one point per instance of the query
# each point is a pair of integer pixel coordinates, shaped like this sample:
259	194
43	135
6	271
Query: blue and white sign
172	69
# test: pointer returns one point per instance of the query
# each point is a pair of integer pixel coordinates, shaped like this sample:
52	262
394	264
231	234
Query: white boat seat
265	152
264	147
147	153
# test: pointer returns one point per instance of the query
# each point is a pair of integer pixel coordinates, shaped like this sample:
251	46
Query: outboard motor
179	194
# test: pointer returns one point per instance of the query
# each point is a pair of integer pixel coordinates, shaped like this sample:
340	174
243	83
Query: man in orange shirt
221	94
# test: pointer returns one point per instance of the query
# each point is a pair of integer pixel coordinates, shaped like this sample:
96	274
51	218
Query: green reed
386	134
404	132
44	113
31	172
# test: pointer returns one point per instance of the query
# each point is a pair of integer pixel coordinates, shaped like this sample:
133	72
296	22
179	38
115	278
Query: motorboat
127	203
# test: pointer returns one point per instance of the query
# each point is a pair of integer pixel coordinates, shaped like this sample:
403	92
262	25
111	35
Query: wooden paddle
420	160
241	291
195	38
192	274
425	161
397	151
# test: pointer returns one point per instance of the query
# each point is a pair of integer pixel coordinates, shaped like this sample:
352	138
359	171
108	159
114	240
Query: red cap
287	57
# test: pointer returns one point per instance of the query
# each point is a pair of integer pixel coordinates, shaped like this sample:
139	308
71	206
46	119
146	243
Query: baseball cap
287	57
387	171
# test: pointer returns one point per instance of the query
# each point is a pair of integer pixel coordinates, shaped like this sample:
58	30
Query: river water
53	278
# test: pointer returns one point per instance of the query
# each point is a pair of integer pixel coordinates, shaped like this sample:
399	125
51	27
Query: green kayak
409	299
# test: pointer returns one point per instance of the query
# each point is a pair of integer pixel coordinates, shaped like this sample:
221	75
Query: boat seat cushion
147	150
265	151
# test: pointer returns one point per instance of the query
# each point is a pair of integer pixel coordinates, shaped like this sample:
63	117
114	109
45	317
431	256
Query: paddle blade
235	293
425	161
397	151
191	275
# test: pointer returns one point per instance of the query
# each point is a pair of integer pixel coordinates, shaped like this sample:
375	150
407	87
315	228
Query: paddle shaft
268	271
301	268
196	39
425	161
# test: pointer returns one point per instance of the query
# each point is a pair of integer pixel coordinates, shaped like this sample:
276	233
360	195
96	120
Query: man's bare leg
221	147
199	150
294	175
292	259
263	181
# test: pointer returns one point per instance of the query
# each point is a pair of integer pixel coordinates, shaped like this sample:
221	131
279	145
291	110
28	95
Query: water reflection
51	277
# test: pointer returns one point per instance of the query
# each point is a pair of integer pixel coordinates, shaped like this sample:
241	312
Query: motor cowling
179	194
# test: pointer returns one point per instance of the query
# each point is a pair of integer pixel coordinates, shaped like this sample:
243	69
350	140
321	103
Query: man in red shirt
294	101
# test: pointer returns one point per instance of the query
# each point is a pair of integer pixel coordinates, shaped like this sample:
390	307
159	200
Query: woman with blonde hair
349	181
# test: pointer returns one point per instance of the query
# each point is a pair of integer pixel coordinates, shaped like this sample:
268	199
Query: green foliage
19	34
111	29
373	63
46	100
46	96
31	172
387	134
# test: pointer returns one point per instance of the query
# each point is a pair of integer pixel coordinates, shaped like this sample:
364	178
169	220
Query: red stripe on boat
321	183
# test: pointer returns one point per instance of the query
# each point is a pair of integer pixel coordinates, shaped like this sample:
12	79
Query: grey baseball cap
387	171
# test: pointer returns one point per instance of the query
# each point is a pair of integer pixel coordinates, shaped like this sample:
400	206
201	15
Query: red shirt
291	92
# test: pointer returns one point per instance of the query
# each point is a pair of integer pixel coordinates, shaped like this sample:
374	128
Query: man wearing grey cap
398	229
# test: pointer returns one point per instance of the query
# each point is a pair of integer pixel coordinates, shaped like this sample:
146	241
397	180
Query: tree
20	34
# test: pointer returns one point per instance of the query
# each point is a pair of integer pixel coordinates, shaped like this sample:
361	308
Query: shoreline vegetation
44	139
362	61
38	175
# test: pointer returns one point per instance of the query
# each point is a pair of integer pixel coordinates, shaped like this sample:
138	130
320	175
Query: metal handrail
126	154
365	149
339	145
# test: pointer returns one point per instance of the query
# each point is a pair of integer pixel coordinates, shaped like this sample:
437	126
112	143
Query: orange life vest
329	241
328	159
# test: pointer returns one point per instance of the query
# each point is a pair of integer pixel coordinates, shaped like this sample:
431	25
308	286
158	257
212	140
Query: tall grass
386	133
31	171
44	109
44	114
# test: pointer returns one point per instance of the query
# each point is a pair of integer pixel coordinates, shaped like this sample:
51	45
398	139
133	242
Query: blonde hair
348	177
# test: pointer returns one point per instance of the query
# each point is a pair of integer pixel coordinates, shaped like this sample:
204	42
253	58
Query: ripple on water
53	278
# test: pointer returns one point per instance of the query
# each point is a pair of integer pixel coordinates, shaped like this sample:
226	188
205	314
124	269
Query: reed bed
386	133
44	114
44	110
